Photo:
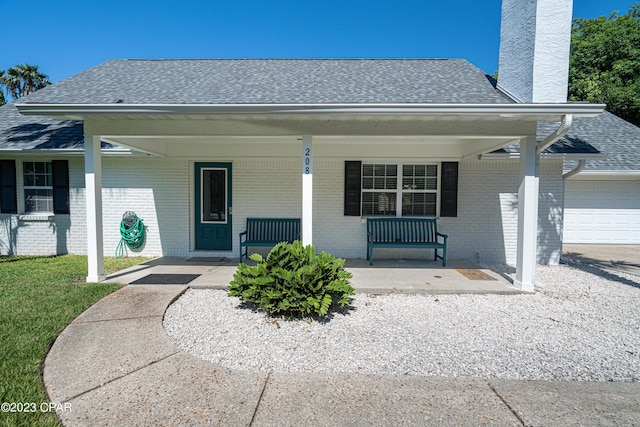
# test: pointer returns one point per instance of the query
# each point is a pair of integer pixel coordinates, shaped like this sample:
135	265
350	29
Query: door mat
475	274
206	259
165	279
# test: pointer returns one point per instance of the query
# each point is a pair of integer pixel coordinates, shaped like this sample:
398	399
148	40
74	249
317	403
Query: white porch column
527	215
307	190
93	192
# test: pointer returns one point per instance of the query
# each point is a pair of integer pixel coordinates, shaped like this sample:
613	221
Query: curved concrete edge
115	365
118	335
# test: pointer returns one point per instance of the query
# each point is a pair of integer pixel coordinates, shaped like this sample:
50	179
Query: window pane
37	174
214	195
431	183
420	177
392	183
38	200
374	204
418	204
379	177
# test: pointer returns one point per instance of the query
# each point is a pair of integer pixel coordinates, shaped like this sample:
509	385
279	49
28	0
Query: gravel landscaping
584	324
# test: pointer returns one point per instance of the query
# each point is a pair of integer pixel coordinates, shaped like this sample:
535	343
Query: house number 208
307	160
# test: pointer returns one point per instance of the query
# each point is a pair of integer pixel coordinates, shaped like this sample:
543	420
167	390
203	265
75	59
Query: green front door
213	206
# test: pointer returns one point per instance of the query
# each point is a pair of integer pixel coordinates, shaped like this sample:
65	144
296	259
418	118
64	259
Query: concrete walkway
624	258
386	276
114	365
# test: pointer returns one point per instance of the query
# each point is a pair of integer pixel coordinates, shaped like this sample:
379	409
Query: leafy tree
22	80
605	62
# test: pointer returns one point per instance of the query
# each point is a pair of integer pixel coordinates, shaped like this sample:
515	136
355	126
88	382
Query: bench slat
405	233
269	232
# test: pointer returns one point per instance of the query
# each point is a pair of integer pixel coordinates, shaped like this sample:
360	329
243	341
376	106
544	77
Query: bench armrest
241	234
444	237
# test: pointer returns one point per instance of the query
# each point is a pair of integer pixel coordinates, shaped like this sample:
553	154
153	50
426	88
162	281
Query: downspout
575	171
565	124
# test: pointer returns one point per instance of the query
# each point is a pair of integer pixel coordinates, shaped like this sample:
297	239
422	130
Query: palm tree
2	98
22	80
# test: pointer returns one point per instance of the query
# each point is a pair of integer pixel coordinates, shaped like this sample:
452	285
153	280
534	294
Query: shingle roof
274	81
616	137
606	133
569	144
18	132
291	81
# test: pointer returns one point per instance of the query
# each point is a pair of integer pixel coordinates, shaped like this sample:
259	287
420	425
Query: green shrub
293	281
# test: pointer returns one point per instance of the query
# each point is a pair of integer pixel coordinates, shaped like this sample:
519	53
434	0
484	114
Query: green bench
269	232
405	233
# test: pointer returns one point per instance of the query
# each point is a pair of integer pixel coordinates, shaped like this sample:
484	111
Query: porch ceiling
380	136
446	131
441	147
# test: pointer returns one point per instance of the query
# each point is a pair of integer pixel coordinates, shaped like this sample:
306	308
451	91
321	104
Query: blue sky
65	37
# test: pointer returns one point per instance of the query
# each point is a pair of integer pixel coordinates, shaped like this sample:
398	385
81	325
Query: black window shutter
449	190
352	190
60	175
8	195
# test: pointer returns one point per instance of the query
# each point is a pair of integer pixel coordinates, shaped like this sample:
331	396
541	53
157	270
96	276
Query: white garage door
602	212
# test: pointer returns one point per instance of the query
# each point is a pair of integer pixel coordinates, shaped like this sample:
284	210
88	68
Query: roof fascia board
607	175
500	110
546	156
62	152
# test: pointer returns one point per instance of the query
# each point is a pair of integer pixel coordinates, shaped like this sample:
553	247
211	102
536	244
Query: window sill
37	217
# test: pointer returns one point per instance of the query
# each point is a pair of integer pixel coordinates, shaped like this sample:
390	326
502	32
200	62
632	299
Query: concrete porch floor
385	276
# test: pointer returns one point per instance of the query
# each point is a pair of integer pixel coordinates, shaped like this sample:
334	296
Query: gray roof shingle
274	81
569	144
18	132
616	137
606	133
291	81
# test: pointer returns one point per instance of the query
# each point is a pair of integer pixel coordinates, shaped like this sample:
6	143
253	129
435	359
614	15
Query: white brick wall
160	192
486	227
40	237
343	236
157	190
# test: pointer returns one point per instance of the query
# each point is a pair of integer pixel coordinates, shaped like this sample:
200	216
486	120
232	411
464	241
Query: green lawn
39	296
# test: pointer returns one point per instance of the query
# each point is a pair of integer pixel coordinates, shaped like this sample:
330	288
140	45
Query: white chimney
535	36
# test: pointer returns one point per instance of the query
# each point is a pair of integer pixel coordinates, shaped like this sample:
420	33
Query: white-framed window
38	187
399	189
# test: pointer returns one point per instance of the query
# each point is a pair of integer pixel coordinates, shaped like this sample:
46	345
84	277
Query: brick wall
485	229
487	223
160	192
